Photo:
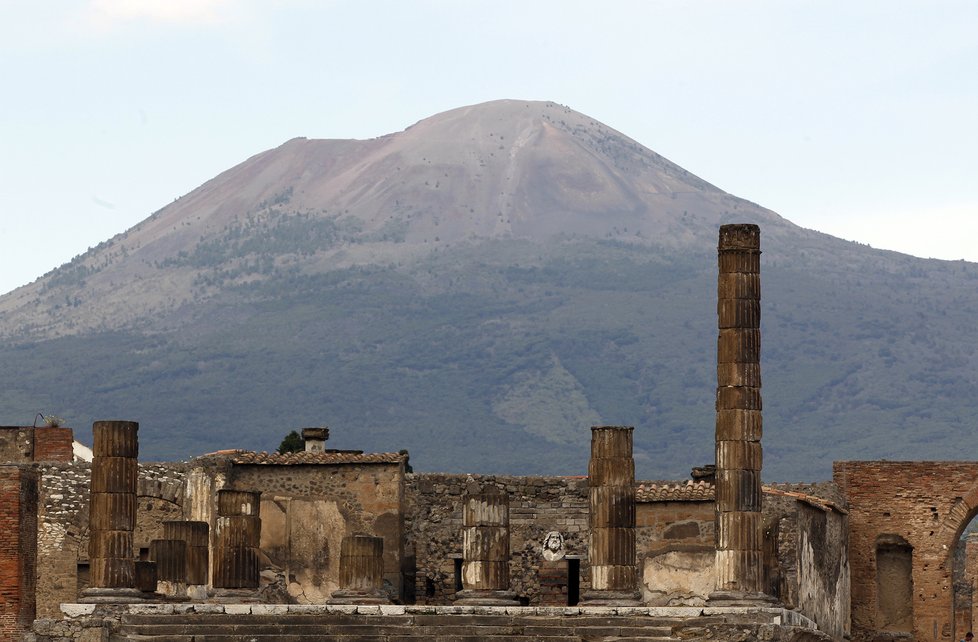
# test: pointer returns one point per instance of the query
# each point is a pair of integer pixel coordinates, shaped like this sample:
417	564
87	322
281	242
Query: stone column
739	532
361	571
485	551
611	514
238	534
196	535
112	512
170	556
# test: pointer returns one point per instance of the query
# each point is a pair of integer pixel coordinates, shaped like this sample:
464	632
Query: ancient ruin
328	542
738	428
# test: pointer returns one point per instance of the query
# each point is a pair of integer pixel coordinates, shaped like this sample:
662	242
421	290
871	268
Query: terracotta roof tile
689	491
303	458
704	491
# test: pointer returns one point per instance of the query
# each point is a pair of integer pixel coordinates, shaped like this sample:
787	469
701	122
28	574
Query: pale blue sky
859	119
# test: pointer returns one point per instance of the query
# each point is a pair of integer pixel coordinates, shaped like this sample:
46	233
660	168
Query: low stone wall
91	623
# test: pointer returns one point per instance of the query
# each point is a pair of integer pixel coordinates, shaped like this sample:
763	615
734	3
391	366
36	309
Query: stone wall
675	551
62	524
537	505
306	510
916	509
18	551
674	540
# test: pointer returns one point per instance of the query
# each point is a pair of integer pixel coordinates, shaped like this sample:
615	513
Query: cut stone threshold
761	614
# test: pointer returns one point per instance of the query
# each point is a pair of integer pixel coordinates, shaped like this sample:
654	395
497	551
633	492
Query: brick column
611	514
485	551
112	512
739	533
238	533
18	550
361	571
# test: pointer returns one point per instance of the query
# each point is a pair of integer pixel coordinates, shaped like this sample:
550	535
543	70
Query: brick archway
928	504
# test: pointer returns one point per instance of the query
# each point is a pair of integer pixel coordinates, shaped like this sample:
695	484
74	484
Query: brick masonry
18	549
925	504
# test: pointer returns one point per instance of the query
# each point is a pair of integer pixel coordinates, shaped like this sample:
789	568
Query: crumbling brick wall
927	505
25	444
18	551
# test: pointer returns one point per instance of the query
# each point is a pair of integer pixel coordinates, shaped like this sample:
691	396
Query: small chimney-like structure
739	532
315	439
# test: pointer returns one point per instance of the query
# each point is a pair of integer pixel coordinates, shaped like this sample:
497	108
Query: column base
486	597
233	596
346	596
116	596
610	598
740	598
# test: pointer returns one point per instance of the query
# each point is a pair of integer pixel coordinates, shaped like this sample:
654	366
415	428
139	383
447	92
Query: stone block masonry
18	549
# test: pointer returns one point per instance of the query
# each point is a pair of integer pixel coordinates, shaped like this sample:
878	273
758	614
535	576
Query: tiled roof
301	458
704	491
689	491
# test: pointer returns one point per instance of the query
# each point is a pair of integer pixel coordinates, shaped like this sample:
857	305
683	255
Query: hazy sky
859	119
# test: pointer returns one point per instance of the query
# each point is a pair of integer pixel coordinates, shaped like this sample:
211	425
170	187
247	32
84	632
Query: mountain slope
480	289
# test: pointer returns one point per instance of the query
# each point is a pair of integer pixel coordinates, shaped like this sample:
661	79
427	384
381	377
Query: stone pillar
170	556
361	571
739	532
611	515
195	535
238	533
485	551
112	512
145	576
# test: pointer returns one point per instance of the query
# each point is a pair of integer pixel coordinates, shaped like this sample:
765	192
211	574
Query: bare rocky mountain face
480	289
502	170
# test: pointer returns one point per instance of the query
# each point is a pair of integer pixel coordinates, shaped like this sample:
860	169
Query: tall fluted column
112	511
361	571
739	533
238	534
485	551
611	496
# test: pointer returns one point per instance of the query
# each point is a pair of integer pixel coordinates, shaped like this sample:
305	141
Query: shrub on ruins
291	444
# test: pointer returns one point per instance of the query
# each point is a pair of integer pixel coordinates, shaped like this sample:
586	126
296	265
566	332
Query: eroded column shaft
238	534
362	563
485	542
611	499
195	534
112	509
739	532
